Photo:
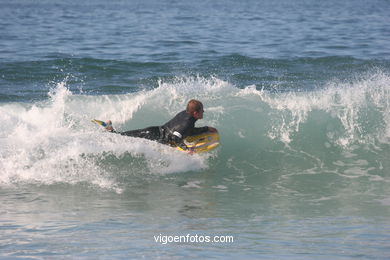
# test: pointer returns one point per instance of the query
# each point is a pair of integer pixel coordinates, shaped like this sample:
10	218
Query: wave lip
357	111
333	129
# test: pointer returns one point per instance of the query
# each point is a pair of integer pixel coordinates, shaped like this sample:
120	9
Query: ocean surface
299	91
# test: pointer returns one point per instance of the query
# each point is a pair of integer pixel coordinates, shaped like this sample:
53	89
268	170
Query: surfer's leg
151	133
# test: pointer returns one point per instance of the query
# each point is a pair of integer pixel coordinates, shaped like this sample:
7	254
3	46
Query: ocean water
299	91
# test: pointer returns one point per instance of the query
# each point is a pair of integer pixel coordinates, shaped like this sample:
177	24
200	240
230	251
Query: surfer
174	131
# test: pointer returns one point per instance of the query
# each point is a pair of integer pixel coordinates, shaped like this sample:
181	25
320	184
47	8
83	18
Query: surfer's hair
194	106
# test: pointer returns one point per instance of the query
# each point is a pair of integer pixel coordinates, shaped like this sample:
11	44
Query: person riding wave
174	131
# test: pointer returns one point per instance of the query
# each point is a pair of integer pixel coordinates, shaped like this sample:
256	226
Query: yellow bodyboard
201	143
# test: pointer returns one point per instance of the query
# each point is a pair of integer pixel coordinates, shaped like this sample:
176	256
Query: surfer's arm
199	130
178	140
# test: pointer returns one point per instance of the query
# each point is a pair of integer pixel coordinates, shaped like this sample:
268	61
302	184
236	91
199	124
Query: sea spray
342	129
54	142
358	110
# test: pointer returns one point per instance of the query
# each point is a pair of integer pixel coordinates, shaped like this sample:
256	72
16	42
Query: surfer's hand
190	151
212	129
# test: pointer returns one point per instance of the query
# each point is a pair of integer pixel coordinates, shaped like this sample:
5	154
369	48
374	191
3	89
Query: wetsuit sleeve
178	134
199	130
180	142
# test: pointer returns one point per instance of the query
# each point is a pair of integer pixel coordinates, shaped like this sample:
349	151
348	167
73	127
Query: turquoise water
299	91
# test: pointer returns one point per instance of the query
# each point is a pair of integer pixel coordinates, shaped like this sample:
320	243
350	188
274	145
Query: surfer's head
195	108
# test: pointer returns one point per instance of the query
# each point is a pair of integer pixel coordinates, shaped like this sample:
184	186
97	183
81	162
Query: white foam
54	141
193	184
361	107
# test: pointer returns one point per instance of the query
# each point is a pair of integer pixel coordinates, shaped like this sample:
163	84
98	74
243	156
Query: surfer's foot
108	126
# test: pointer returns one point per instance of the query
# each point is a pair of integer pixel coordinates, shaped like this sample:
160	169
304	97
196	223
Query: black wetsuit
172	133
